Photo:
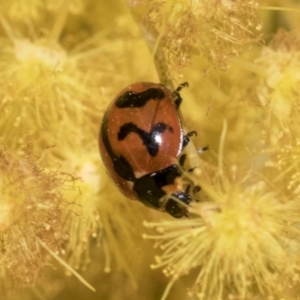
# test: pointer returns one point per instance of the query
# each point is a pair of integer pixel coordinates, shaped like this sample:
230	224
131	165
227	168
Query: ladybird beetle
141	136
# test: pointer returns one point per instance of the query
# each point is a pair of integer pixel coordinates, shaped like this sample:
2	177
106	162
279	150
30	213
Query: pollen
241	242
31	210
278	89
186	29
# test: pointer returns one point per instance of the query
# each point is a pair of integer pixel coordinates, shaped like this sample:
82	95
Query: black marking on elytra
121	165
149	139
134	99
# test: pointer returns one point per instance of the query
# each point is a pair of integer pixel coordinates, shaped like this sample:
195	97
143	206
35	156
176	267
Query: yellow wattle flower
32	211
242	242
61	62
278	89
188	30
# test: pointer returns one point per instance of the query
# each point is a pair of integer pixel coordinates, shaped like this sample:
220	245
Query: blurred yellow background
62	62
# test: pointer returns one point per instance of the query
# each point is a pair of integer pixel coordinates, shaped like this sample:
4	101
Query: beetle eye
175	209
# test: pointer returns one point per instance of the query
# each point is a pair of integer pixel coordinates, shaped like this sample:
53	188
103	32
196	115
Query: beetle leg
187	189
186	138
196	189
182	159
181	86
178	100
200	150
177	96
